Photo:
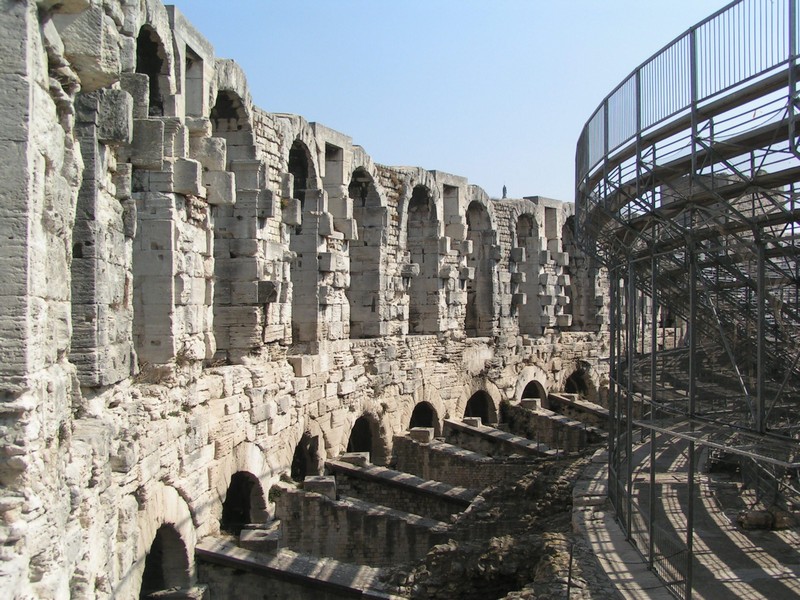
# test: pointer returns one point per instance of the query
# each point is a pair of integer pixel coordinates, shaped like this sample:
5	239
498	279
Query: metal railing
745	40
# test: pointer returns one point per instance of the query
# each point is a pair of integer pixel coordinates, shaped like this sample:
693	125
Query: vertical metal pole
653	392
761	332
692	410
631	352
613	278
692	321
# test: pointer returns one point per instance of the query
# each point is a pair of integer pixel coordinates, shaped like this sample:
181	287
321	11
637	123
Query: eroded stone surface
193	288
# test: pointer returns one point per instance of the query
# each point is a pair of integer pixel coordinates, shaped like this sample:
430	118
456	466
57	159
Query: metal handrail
744	40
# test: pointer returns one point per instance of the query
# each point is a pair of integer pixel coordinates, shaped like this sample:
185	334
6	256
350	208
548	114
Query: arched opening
244	503
423	247
151	60
298	168
576	383
534	389
366	277
481	405
361	436
424	415
480	308
166	565
305	244
306	458
528	240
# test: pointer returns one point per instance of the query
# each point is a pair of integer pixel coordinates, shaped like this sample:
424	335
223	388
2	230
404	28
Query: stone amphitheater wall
193	285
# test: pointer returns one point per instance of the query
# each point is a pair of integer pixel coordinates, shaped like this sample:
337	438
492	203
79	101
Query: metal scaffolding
687	182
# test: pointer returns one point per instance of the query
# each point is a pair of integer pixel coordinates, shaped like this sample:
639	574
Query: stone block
211	152
220	187
321	484
91	43
467	273
518	255
409	270
466	247
187	178
519	299
564	320
424	435
456	231
291	211
250	174
347	227
114	117
519	277
495	252
325	227
472	421
138	86
448	272
360	459
345	388
147	150
444	245
303	365
561	258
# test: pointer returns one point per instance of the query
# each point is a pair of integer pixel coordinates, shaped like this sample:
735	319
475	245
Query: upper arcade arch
422	235
152	60
367	277
480	313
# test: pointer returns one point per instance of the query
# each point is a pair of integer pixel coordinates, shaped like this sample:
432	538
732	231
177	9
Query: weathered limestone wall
454	465
353	531
193	285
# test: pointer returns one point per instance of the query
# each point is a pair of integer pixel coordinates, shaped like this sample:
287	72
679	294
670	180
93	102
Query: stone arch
527	240
425	415
163	507
306	459
367	278
166	564
481	404
525	377
246	457
152	60
422	240
230	120
480	312
245	502
365	436
581	382
304	243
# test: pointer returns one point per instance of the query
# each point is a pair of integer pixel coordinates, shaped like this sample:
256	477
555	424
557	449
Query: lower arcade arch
534	389
480	404
244	503
424	415
580	382
365	436
166	565
306	460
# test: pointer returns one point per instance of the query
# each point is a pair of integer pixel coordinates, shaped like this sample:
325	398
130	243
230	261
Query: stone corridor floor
730	562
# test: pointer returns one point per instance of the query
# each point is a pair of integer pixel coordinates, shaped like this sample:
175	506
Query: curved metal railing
745	40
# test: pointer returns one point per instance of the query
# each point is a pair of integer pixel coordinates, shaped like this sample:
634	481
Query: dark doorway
576	384
166	564
306	458
150	60
481	405
424	415
360	436
244	503
534	389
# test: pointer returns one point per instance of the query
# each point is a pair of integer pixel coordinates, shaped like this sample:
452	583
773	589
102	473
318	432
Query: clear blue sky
493	90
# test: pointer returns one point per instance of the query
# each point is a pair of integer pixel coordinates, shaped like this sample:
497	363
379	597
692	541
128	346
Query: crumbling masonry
198	294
